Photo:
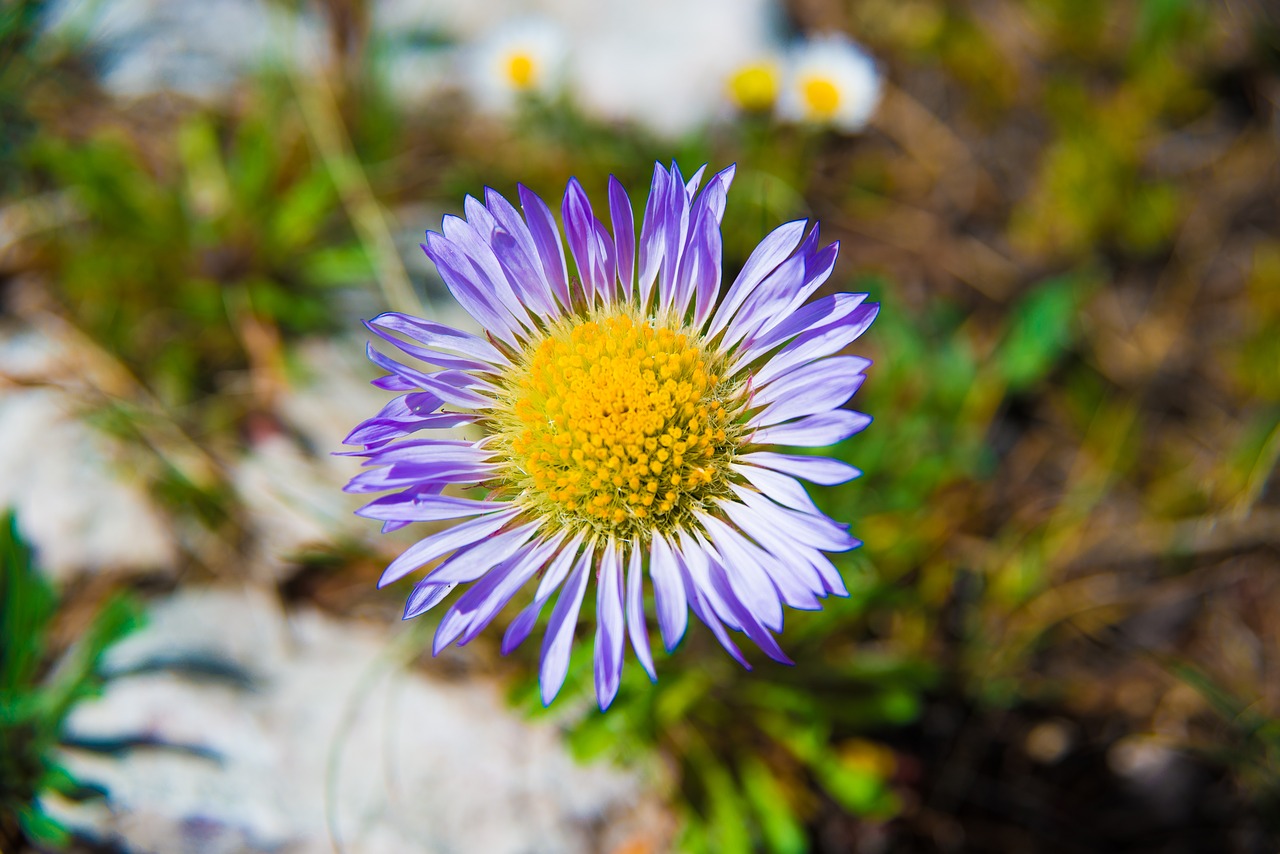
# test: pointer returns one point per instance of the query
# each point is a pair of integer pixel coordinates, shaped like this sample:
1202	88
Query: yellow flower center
618	424
520	70
754	87
821	96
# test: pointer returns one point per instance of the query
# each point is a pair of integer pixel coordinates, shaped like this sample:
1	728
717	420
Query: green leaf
41	829
783	832
1040	330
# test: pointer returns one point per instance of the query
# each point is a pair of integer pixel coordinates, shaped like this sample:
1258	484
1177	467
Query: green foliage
193	262
19	26
35	699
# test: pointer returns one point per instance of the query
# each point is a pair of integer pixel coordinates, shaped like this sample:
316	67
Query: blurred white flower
524	57
830	81
663	63
754	86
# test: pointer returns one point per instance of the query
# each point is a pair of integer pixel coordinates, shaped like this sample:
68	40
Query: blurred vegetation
1068	210
36	696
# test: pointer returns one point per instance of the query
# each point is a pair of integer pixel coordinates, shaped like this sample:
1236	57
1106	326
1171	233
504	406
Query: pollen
821	96
618	424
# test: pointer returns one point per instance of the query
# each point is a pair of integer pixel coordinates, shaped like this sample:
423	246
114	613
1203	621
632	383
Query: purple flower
621	422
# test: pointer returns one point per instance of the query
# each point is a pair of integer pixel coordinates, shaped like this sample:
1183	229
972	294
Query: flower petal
750	582
439	544
823	471
814	431
427	508
558	642
668	592
697	589
610	626
636	627
764	259
624	236
546	237
524	622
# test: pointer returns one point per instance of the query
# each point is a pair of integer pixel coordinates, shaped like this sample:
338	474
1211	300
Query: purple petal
847	320
636	627
546	237
377	432
443	384
524	272
783	489
624	236
427	508
523	624
437	545
668	592
517	251
468	564
484	267
425	595
428	451
823	471
809	390
814	531
590	244
524	567
750	581
760	305
820	430
437	336
695	556
400	477
750	624
691	186
393	383
677	228
653	232
456	271
792	562
817	345
558	642
476	608
697	590
610	626
766	257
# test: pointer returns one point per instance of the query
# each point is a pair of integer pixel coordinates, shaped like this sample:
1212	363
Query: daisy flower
624	419
830	81
522	58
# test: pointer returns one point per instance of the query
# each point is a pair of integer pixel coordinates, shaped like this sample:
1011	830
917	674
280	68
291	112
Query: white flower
830	81
664	63
521	58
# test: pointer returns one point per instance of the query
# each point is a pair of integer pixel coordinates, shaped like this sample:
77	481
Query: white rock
334	736
75	502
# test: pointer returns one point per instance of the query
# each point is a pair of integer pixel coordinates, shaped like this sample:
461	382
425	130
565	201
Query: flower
754	87
623	419
524	57
663	64
830	81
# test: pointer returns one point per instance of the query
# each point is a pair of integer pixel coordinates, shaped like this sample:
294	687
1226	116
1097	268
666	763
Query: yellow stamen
521	70
821	96
595	412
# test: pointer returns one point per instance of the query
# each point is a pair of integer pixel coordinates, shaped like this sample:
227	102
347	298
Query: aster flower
830	81
623	420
